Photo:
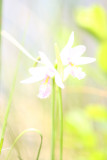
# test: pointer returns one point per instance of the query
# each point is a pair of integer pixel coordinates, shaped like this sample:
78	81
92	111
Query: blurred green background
42	23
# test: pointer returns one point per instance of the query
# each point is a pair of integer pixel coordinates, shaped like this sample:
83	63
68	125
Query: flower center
46	80
71	64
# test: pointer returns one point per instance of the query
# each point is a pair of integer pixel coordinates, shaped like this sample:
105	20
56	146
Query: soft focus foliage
97	112
102	56
46	26
94	20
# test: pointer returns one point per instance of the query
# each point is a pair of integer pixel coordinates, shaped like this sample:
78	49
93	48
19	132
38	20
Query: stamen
71	64
46	80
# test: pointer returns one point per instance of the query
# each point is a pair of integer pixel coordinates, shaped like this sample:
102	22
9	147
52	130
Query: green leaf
93	20
80	127
13	41
20	135
102	56
97	112
61	36
98	155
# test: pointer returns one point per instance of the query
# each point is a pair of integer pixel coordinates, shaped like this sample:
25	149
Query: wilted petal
67	72
45	90
82	60
77	72
58	80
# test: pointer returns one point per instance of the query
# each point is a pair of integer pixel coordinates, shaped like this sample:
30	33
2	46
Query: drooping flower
71	58
44	73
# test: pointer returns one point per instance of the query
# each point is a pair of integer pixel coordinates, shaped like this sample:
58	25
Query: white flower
71	57
45	73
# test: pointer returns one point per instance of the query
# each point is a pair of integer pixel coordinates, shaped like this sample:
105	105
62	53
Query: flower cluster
70	57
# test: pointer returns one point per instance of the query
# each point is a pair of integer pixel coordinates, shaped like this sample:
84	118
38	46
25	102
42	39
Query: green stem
60	122
20	135
53	122
1	14
13	41
39	147
0	34
9	104
11	95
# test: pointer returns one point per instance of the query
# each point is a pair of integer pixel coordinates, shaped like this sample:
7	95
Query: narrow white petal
65	56
71	40
17	44
45	60
82	60
30	80
38	71
77	51
58	80
67	72
66	50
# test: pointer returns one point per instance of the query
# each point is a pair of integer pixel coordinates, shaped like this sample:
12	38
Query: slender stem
20	135
0	36
13	41
10	97
57	113
53	122
9	104
1	14
39	148
60	70
60	122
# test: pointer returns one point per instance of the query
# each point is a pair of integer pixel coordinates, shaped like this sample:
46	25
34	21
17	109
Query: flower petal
45	60
58	80
77	51
71	40
82	60
65	56
45	90
30	80
67	72
39	72
66	50
51	72
77	72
